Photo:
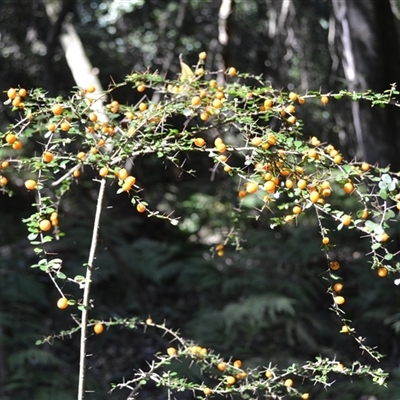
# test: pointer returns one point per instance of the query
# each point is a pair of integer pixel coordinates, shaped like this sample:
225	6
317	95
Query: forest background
264	304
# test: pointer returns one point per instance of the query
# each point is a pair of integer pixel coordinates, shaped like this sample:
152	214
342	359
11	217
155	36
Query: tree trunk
370	57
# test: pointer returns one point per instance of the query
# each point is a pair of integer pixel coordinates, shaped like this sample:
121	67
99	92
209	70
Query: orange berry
44	225
202	55
346	220
30	184
305	396
256	141
237	363
221	147
242	194
53	216
301	184
22	92
199	142
337	287
213	84
270	186
382	272
93	117
383	237
81	155
196	100
3	181
17	145
289	183
268	374
288	382
103	172
314	196
339	300
207	391
292	120
16	102
98	328
268	103
334	265
130	180
272	140
325	240
65	126
204	116
62	303
301	100
230	380
324	100
122	174
217	103
126	187
91	89
365	166
221	366
297	210
57	109
10	138
141	88
348	187
77	173
142	107
11	93
5	164
47	157
337	159
293	96
251	187
51	127
232	71
171	351
140	207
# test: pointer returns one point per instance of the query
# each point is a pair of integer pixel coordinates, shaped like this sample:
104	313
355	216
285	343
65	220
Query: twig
86	292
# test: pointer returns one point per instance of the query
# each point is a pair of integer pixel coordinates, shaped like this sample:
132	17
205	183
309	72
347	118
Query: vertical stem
86	292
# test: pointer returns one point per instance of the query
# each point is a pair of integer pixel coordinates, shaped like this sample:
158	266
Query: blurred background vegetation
266	303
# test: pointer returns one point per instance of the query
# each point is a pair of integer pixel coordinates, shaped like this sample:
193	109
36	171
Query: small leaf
61	275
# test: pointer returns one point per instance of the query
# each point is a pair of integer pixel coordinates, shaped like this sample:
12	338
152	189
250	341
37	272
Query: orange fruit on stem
348	187
140	207
325	240
297	210
11	93
57	109
337	287
103	172
251	187
232	71
199	142
230	380
30	184
47	157
62	303
382	272
171	351
10	138
334	265
346	219
221	366
17	145
288	382
44	225
98	328
324	100
339	300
